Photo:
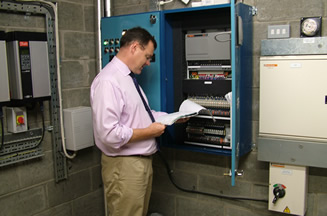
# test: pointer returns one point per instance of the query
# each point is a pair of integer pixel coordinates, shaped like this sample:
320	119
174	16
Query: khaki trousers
127	184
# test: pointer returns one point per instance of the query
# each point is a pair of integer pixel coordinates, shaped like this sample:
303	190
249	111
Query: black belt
145	156
137	155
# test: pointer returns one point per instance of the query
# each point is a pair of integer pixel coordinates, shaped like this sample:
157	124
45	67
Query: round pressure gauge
310	26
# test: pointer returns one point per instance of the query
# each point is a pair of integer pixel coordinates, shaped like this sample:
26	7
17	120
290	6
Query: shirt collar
123	68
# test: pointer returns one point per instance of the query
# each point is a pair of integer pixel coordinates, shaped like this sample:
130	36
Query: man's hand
182	120
157	129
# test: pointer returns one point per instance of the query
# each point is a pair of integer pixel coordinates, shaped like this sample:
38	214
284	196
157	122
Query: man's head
137	34
136	49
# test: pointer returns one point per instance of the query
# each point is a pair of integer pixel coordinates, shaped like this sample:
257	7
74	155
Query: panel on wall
111	32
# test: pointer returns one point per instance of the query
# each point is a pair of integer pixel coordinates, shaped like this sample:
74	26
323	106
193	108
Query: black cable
169	171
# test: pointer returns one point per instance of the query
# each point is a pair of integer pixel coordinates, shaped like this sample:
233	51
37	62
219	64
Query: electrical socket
278	31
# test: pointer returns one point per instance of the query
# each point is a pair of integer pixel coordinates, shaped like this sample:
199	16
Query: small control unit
16	119
78	128
288	188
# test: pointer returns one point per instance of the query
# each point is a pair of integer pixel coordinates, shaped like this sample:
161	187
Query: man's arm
154	130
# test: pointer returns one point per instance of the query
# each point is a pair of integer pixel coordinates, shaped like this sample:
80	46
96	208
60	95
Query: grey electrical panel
292	82
4	83
28	65
208	46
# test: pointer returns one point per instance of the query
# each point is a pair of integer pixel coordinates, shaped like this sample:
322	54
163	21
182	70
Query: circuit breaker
28	65
288	187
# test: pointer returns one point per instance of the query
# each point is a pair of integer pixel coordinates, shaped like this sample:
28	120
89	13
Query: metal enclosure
177	24
293	104
294	181
28	65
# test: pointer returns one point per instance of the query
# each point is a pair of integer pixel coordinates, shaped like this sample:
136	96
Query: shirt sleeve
107	106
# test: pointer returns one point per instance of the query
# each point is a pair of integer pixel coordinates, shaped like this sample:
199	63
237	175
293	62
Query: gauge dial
310	26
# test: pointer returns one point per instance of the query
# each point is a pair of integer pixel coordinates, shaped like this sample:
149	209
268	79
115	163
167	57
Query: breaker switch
279	192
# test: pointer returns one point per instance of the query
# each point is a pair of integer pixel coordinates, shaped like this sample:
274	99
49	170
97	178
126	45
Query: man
123	129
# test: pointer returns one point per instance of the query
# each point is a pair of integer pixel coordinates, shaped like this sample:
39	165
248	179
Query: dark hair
137	34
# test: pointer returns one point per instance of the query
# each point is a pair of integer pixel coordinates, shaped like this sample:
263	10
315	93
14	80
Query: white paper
187	109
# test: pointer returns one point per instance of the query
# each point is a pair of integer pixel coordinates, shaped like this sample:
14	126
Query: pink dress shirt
118	109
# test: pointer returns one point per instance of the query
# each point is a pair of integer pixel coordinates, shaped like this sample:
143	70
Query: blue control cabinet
169	80
111	32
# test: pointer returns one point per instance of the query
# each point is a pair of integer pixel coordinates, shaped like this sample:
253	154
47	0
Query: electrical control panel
291	85
288	188
4	82
199	56
283	112
112	29
28	65
207	56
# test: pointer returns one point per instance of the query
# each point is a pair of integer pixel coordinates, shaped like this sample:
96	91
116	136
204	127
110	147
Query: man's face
142	56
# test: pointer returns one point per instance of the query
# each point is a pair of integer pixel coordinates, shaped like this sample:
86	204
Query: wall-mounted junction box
78	128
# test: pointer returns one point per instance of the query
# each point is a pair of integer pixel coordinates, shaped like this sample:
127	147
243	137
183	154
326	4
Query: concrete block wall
29	188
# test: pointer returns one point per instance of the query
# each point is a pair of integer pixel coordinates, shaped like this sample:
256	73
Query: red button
20	120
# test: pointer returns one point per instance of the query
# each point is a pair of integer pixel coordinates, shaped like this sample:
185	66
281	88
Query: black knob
278	193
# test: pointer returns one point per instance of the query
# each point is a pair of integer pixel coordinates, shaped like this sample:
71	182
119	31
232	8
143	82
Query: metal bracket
20	147
237	173
44	9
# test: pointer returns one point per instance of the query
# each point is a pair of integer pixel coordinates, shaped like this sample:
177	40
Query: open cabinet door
111	32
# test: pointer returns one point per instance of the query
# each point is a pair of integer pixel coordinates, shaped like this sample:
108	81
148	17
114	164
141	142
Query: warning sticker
278	165
287	210
270	65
